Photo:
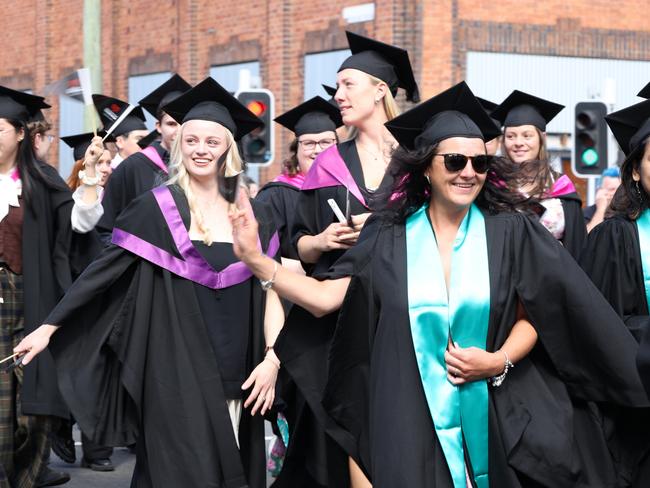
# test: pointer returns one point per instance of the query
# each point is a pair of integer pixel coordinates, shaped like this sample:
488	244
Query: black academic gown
46	245
575	229
135	361
318	450
542	432
612	259
134	176
283	200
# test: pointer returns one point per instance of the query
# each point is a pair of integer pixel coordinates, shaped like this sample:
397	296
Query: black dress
135	360
542	430
318	449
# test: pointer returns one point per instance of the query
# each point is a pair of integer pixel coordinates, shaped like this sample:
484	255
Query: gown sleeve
611	259
575	232
585	339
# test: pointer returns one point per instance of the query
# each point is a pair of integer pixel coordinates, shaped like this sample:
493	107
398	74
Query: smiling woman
182	333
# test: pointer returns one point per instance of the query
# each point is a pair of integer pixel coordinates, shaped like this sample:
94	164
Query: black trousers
94	451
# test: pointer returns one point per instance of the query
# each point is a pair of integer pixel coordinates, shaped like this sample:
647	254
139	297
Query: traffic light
258	145
590	139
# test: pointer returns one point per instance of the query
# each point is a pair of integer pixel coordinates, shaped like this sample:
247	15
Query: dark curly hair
411	189
630	199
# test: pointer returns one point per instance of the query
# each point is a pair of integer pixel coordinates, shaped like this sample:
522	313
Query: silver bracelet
268	284
88	180
496	381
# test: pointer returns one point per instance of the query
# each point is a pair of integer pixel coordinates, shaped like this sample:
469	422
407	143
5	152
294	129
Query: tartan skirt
24	442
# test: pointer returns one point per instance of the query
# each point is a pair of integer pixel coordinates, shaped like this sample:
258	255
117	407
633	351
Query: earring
427	177
638	191
377	101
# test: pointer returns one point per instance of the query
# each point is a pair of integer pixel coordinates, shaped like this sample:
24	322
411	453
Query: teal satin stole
462	411
643	225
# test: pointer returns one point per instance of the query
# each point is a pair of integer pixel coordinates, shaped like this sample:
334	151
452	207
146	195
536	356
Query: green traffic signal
589	157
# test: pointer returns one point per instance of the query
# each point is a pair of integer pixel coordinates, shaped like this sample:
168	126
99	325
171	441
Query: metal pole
92	35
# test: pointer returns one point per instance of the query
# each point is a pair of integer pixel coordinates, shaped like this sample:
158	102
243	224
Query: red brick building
44	39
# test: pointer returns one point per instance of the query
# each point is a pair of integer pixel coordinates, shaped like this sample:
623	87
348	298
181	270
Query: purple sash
154	157
192	266
295	180
329	169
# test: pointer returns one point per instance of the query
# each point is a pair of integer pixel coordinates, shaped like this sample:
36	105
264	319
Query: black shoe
98	464
63	443
49	477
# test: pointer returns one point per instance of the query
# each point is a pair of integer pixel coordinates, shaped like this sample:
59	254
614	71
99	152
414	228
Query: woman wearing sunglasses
450	365
524	118
351	175
164	339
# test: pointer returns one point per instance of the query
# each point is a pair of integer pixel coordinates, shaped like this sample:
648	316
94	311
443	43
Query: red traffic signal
258	107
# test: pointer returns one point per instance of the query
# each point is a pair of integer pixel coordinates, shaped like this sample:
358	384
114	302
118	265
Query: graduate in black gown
144	169
524	118
616	258
352	174
442	293
162	338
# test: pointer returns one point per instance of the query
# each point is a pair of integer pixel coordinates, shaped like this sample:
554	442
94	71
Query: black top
283	200
226	317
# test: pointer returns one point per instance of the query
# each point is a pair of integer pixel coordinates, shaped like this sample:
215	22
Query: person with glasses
166	338
524	118
450	365
351	174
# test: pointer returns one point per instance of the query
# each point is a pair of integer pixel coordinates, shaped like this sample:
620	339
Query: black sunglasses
6	366
457	162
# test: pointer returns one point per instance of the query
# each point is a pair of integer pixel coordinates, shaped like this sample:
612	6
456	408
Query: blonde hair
390	107
178	175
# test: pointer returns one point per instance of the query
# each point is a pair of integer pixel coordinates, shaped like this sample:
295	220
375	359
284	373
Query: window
228	75
71	122
141	85
320	68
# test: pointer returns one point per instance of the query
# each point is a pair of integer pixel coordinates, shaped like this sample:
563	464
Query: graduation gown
46	248
135	361
575	229
612	259
318	450
283	199
134	176
542	430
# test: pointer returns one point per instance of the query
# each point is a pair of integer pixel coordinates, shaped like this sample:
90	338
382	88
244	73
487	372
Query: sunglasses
457	162
6	366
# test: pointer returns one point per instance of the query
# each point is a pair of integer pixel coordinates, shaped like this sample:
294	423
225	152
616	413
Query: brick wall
189	36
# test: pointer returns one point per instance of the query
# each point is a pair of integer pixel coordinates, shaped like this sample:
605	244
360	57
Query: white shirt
85	216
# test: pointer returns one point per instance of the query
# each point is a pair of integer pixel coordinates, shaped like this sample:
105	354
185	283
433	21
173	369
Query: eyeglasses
457	162
311	145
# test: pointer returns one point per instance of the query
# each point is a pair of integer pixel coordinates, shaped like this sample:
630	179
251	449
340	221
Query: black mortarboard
388	63
80	142
165	93
453	113
645	92
489	107
20	106
330	90
210	101
109	110
148	139
630	126
523	109
311	117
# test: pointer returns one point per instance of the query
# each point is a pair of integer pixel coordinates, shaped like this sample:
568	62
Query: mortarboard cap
311	117
523	109
630	126
20	106
165	93
80	142
109	110
388	63
645	92
210	101
489	107
453	113
148	139
330	90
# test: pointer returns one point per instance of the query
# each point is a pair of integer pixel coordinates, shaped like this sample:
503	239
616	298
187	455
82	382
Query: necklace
374	155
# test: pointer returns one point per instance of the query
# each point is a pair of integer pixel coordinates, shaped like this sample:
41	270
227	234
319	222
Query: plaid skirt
24	443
